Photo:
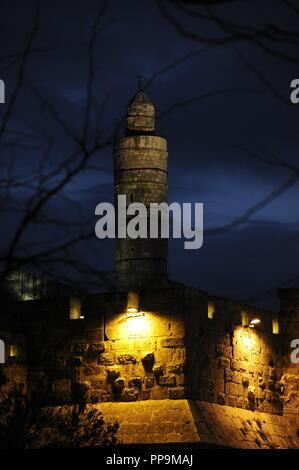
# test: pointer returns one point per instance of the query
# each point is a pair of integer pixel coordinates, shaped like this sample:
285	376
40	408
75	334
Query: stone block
228	375
172	343
176	393
92	370
61	387
96	396
234	389
120	344
107	396
176	368
220	350
179	354
180	379
79	348
126	359
106	359
136	382
164	355
112	373
144	344
80	391
149	382
158	393
223	363
167	380
221	399
96	383
145	394
96	348
118	385
128	394
158	370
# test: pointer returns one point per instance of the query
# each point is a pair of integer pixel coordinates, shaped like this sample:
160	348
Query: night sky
224	110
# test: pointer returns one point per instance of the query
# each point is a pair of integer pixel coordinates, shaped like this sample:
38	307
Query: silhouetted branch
266	38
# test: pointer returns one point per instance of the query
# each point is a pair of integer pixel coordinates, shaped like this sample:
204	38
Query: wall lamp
134	314
249	322
253	322
133	305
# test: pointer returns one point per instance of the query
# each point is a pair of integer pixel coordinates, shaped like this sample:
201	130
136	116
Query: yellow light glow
13	350
254	322
132	312
211	310
138	325
75	308
246	340
275	324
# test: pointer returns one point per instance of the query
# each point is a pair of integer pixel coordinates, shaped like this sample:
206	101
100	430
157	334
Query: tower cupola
140	114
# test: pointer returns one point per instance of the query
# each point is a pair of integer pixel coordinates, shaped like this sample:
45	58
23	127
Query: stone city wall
184	344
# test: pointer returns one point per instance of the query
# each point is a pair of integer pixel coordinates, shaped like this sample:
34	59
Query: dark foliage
25	425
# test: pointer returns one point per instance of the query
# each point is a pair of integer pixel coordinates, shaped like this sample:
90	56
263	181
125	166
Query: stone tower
140	173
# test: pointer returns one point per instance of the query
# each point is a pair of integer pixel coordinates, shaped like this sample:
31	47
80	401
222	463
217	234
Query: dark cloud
216	104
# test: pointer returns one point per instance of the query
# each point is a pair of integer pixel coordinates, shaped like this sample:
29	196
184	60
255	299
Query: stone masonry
140	173
183	365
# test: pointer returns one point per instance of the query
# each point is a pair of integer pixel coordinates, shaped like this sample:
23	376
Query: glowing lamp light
132	312
138	324
248	321
82	317
254	321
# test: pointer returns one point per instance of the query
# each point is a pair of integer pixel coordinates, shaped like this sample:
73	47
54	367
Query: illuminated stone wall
165	421
185	344
110	357
13	379
232	365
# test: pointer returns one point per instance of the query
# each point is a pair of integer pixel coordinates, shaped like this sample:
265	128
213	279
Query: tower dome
140	114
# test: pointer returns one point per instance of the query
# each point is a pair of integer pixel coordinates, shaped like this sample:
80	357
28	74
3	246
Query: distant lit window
13	350
75	309
2	352
275	324
211	310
